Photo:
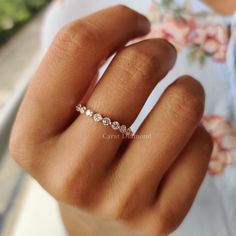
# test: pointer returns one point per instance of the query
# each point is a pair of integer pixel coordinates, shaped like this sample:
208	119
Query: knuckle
138	65
71	188
74	37
111	211
111	208
85	37
166	222
187	102
206	141
165	227
60	190
123	205
23	152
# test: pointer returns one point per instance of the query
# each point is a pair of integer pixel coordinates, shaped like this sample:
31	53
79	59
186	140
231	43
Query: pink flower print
220	54
185	29
175	31
210	46
224	138
213	39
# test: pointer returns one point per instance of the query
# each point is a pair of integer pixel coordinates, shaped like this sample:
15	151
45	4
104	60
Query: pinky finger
181	183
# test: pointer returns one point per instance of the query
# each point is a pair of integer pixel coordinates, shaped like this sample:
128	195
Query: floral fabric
204	35
186	28
224	138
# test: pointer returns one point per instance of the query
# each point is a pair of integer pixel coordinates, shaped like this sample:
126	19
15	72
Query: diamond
89	113
115	125
106	121
123	129
78	107
129	132
83	109
97	117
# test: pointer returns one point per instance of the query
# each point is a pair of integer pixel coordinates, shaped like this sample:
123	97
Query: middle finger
160	139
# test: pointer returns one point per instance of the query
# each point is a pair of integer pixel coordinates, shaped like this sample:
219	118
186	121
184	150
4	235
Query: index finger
71	64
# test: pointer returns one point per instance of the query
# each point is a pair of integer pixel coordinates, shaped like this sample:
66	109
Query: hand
149	183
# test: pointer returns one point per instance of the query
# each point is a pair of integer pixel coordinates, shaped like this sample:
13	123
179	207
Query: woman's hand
149	182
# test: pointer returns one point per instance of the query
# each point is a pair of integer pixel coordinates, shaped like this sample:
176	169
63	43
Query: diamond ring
106	121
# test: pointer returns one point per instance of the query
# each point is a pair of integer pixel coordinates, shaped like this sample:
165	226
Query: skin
105	186
226	7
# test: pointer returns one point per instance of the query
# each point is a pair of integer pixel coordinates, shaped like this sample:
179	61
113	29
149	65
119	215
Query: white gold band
97	117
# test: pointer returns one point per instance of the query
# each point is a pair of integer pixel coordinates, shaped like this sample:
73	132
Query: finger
182	181
163	135
71	64
120	95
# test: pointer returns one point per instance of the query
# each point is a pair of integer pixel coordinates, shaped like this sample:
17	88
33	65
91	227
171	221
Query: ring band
106	121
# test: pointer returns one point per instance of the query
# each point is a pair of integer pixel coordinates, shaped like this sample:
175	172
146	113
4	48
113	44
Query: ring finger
120	95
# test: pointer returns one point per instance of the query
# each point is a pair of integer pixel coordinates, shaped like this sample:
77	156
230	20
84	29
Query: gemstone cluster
106	121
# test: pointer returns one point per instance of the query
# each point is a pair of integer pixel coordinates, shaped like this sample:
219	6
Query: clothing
206	44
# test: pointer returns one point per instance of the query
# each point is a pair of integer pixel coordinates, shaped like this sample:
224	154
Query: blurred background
19	30
20	53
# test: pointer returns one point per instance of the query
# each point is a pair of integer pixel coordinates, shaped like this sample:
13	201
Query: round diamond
78	107
123	129
129	132
97	117
106	121
82	110
89	113
115	125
